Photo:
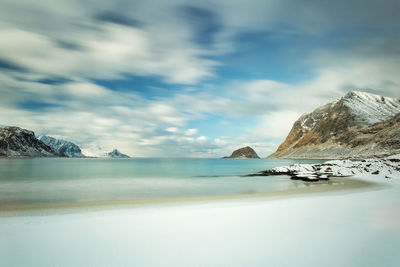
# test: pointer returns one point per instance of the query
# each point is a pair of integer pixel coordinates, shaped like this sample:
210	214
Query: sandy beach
354	226
49	208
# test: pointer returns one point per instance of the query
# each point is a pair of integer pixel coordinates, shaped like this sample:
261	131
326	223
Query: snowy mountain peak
116	154
64	147
95	151
98	152
358	94
358	123
365	109
368	109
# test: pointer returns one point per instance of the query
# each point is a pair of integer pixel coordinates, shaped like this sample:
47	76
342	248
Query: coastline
338	184
240	232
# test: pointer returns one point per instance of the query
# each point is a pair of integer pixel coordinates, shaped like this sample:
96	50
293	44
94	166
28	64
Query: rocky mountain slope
244	152
17	142
66	148
358	125
116	154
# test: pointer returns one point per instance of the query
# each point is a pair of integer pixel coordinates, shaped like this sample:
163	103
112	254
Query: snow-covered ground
387	167
339	228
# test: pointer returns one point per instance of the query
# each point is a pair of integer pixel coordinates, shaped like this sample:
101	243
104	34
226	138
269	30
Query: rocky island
243	153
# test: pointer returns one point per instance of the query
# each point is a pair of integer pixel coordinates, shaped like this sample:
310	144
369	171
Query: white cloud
191	131
202	138
65	40
108	51
172	129
220	142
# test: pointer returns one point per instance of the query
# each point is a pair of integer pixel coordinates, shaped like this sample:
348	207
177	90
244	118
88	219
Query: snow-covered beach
354	227
387	167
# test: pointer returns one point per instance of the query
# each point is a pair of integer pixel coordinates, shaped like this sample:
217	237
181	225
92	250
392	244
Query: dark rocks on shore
386	167
296	175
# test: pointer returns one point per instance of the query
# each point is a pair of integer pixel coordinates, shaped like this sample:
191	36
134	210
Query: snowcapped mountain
116	154
17	142
98	152
95	152
357	125
368	109
66	148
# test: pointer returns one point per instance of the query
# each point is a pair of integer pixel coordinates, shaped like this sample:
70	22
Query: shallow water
61	180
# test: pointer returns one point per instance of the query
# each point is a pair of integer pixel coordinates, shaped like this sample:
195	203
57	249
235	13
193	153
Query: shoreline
242	232
339	184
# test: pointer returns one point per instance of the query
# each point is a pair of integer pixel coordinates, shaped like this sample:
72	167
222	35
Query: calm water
73	180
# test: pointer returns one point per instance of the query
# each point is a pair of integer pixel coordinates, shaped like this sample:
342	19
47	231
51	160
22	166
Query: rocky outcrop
244	152
63	147
358	125
387	167
116	154
17	142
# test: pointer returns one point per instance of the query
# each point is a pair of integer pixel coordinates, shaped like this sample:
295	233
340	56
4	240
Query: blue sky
188	78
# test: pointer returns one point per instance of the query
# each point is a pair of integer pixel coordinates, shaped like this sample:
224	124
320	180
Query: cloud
10	66
117	18
191	131
108	46
172	129
53	57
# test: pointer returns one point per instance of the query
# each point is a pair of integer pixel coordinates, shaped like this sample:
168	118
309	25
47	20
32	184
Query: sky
188	78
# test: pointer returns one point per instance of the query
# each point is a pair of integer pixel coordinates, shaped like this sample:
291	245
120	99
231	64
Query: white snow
94	151
366	108
353	228
62	146
371	108
98	152
387	167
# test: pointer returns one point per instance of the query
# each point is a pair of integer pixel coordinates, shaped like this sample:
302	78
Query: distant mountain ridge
64	147
98	152
357	125
18	142
116	154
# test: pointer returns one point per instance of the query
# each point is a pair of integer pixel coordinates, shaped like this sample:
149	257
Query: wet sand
47	208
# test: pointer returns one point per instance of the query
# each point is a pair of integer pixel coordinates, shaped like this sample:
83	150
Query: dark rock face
358	125
244	153
17	142
116	154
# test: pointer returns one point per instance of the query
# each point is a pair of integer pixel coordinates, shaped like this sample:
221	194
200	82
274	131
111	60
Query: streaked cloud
198	79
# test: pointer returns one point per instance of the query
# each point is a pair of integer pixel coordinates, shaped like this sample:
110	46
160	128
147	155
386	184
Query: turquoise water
73	180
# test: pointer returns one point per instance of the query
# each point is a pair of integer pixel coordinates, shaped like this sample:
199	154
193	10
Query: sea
71	180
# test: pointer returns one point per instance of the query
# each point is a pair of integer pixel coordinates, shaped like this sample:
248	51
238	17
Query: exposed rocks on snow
17	142
387	167
66	148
